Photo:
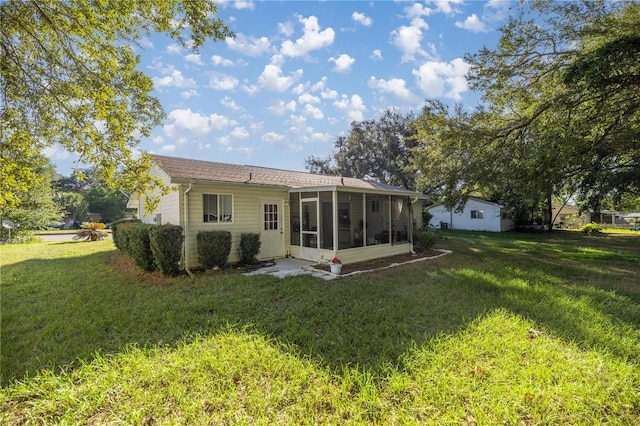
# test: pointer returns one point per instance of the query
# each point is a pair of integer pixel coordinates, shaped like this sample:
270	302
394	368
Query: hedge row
151	246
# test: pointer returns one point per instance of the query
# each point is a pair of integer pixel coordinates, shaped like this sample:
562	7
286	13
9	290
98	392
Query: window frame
479	214
219	205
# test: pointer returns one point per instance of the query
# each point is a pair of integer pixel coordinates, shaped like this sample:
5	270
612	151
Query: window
375	206
477	214
271	217
217	208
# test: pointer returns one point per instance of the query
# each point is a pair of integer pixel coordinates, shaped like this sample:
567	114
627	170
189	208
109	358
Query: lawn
510	328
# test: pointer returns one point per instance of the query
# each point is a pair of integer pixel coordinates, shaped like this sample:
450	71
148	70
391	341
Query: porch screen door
310	223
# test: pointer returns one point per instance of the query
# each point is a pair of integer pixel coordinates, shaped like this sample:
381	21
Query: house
573	217
477	215
304	215
569	216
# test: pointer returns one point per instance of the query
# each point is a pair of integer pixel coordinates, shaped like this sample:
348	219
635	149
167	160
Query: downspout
185	211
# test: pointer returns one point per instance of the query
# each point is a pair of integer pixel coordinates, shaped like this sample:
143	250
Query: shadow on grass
61	312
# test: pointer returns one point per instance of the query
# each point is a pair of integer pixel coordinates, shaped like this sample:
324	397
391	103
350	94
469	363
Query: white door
271	229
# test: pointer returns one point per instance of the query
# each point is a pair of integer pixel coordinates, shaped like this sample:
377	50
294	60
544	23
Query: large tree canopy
561	109
373	149
68	75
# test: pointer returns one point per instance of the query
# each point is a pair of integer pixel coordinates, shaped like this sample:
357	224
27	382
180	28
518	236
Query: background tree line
559	119
56	201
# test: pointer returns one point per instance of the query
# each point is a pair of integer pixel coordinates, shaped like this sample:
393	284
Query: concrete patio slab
288	267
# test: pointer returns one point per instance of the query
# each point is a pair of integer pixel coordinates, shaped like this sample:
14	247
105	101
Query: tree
565	87
73	205
36	208
110	203
561	109
68	75
374	149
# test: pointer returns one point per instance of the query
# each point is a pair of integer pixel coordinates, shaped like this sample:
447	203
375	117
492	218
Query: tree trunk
550	209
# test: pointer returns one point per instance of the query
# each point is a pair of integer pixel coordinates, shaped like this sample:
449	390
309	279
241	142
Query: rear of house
477	215
304	215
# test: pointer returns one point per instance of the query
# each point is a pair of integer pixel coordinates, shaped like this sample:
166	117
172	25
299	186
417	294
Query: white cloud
395	86
473	24
219	61
443	79
195	123
56	152
145	42
175	79
157	140
497	10
281	142
175	49
308	98
243	4
250	89
313	111
188	94
343	63
312	39
272	137
279	107
353	107
194	58
239	133
221	81
297	122
325	92
448	7
286	28
362	19
376	55
417	9
230	103
272	78
249	46
409	39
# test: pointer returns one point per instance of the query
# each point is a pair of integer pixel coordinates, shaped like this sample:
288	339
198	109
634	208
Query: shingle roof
182	169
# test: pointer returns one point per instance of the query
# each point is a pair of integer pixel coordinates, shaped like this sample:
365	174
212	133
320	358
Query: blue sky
299	72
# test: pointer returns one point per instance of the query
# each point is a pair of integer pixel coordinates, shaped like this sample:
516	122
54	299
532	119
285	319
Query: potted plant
336	266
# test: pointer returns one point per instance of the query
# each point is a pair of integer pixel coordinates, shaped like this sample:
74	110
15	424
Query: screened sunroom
350	225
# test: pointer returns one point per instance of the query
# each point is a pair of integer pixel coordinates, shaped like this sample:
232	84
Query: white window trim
481	216
219	195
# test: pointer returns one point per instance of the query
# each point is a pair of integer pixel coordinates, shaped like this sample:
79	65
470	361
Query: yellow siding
246	215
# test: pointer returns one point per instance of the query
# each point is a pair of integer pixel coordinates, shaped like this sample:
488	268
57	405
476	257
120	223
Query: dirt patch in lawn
127	267
383	262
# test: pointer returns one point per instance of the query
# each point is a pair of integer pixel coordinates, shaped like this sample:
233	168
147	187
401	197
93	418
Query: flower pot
336	268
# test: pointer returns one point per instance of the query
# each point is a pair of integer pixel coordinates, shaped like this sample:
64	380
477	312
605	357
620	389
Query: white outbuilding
477	215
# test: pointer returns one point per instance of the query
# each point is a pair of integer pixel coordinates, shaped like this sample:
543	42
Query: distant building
477	215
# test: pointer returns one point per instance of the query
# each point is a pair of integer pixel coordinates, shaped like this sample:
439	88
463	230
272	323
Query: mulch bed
382	262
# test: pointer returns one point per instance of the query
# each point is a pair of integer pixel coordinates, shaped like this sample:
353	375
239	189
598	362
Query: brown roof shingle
182	169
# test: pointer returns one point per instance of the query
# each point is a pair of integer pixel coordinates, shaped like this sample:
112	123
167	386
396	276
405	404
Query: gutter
185	211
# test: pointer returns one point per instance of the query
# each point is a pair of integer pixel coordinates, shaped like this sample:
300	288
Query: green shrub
424	239
139	245
166	246
214	248
249	248
590	228
119	243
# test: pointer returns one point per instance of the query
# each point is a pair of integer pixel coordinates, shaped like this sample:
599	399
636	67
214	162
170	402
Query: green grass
510	328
